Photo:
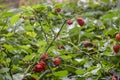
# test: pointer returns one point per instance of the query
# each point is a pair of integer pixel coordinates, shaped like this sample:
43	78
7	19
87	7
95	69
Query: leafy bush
81	48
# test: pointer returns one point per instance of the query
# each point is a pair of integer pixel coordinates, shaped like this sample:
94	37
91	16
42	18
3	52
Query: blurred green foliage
26	32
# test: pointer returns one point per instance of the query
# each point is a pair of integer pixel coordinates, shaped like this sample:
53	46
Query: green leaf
8	47
95	71
8	35
105	0
90	35
92	68
80	71
15	18
4	70
90	29
29	57
58	5
108	16
50	15
25	47
41	7
76	47
6	14
107	53
31	34
15	10
70	68
74	31
110	31
82	61
29	28
66	57
102	27
61	73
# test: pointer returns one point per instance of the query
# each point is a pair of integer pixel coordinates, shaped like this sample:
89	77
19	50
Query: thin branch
28	68
99	61
10	66
43	74
48	22
55	37
71	66
49	67
47	71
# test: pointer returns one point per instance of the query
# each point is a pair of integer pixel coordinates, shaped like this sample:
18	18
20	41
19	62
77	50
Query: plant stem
71	66
99	61
55	37
29	67
48	22
10	66
79	36
49	67
43	74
